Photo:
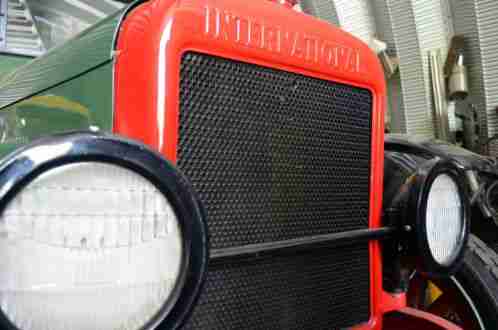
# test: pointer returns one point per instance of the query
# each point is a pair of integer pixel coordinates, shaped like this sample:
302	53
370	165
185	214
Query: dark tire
478	278
469	298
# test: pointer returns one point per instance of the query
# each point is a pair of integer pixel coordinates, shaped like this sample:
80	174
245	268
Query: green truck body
68	89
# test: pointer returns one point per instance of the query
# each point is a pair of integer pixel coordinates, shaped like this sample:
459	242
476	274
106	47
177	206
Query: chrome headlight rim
27	163
423	181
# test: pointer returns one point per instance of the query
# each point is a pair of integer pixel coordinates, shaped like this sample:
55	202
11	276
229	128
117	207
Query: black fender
430	148
408	161
405	154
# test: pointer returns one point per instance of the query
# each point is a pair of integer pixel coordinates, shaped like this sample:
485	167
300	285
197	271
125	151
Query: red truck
219	164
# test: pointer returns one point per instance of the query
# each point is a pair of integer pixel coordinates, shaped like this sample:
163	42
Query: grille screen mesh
321	289
274	155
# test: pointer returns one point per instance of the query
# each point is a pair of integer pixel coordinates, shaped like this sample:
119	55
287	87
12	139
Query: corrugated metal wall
354	16
488	37
411	29
59	20
432	35
411	104
477	20
357	17
324	9
465	22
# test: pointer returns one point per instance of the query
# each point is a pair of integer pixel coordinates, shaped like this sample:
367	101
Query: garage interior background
406	32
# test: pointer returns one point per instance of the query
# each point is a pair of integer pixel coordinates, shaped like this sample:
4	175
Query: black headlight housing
416	216
407	210
24	165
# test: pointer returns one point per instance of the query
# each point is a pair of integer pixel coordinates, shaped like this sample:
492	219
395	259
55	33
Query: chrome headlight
97	233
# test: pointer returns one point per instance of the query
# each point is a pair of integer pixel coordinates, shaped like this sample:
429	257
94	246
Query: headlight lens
88	246
444	220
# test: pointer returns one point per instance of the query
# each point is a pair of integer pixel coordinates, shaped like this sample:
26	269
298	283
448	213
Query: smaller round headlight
444	219
438	211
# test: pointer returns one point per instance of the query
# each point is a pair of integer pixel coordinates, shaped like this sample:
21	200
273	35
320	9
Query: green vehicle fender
70	88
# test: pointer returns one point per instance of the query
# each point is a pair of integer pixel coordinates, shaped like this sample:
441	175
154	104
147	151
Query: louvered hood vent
18	32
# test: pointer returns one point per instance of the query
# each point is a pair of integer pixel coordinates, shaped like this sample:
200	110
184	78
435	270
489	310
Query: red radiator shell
154	36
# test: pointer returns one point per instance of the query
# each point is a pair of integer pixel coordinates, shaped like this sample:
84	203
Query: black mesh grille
316	290
274	155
